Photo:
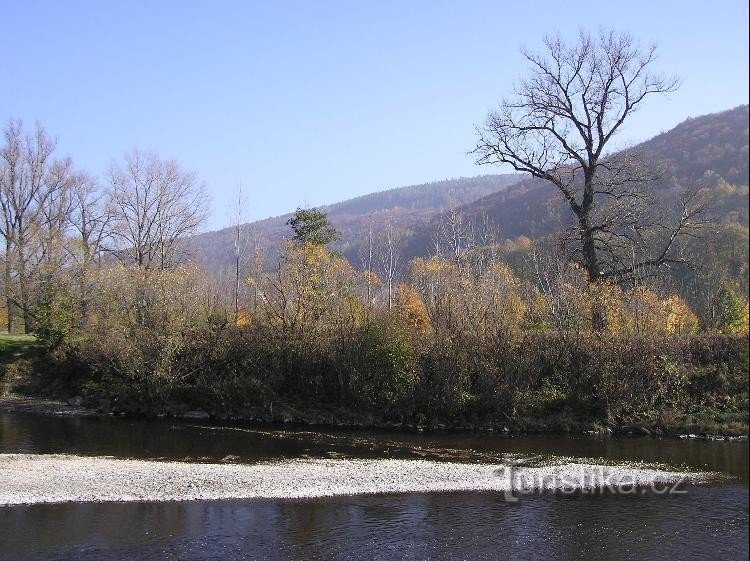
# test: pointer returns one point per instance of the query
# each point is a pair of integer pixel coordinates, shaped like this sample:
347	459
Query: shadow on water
185	441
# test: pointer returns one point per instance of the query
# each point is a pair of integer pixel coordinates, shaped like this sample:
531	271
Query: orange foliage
410	307
242	318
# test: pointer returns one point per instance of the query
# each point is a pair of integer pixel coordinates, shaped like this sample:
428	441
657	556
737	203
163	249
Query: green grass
16	343
17	356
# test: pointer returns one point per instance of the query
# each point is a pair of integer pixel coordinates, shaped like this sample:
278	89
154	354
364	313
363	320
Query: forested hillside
709	152
406	208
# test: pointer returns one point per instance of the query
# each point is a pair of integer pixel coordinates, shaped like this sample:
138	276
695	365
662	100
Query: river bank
693	385
284	416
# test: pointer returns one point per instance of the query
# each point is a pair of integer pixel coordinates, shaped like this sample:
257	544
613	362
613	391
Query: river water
708	521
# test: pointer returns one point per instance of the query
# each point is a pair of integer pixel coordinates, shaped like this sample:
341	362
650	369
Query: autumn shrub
384	372
445	384
730	312
54	314
410	307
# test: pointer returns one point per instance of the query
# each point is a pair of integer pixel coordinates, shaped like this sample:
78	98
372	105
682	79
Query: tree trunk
598	317
594	273
23	287
84	281
7	285
237	290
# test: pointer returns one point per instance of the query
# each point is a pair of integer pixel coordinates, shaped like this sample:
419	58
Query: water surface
710	521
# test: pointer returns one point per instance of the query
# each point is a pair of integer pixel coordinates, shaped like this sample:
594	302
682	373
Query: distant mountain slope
709	151
717	142
427	196
404	207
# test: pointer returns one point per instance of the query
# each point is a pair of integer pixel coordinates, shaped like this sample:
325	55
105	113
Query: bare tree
560	283
55	209
366	255
155	205
558	126
90	219
33	207
390	259
455	235
240	239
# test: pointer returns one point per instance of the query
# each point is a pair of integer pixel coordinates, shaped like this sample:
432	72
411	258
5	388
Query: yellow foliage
242	318
537	311
164	300
679	317
313	290
641	311
371	279
741	326
608	299
458	300
499	288
432	268
410	307
646	311
523	242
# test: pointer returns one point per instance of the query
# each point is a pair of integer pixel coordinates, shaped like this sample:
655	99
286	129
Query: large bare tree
558	126
90	219
155	205
34	205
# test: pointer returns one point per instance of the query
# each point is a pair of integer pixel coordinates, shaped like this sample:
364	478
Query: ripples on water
707	522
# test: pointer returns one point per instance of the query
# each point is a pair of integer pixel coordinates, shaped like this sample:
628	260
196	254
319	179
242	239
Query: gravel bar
32	479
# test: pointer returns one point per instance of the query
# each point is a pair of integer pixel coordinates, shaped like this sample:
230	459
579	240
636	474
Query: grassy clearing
17	355
12	341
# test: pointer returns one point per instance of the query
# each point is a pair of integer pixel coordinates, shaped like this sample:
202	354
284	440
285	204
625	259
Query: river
703	521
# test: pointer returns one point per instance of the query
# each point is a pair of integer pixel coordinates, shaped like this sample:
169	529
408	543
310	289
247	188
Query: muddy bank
281	416
39	406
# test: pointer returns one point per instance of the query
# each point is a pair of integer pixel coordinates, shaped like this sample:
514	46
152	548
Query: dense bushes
393	373
460	345
384	369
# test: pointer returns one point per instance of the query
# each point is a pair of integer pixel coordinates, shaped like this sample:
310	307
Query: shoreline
15	403
27	479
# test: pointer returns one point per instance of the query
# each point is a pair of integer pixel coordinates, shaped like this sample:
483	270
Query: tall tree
558	126
240	235
390	259
33	210
455	235
90	220
155	205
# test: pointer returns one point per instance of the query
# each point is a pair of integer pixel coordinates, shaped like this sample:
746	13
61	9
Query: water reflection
185	441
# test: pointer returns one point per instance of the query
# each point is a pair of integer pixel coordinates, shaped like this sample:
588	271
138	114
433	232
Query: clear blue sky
315	102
